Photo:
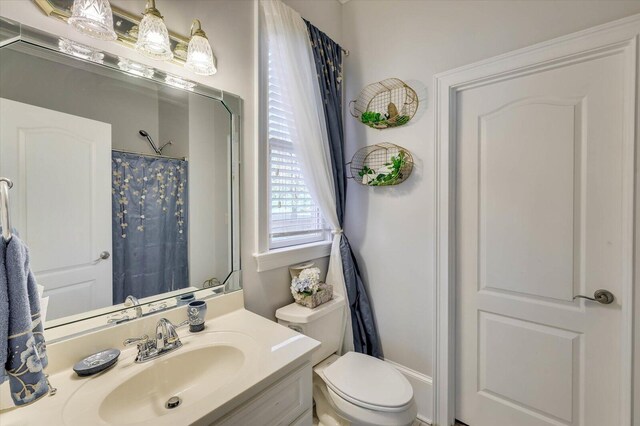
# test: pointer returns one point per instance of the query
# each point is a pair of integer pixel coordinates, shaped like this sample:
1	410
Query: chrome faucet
133	301
166	341
167	336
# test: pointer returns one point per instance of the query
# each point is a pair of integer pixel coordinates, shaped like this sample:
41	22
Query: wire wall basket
383	164
387	103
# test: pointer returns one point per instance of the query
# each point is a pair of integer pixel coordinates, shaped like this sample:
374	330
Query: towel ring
5	221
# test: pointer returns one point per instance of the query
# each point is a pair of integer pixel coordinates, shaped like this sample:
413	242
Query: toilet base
323	411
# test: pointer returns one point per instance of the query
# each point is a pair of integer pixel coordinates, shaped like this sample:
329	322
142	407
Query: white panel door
60	165
540	219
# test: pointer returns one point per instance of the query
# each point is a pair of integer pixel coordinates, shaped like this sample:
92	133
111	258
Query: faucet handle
172	334
145	347
142	340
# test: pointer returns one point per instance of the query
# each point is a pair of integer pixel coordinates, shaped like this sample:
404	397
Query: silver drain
172	403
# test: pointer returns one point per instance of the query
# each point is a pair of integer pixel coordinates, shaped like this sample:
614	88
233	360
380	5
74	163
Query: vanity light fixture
153	36
93	18
135	68
180	51
80	51
200	57
178	82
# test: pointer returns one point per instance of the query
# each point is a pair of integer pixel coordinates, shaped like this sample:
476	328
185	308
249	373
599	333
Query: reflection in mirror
122	185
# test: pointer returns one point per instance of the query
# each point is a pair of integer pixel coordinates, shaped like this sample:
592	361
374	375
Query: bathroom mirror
125	179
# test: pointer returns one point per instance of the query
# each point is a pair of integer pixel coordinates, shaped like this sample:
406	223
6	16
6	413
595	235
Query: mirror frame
12	32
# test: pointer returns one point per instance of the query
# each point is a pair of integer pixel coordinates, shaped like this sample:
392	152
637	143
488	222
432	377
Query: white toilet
352	389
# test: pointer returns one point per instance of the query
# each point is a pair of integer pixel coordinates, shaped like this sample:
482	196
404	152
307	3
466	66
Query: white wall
209	190
173	123
392	229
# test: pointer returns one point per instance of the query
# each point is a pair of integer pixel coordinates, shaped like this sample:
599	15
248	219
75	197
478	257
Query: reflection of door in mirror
60	167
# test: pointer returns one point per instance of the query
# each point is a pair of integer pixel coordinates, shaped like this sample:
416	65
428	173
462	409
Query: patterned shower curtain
150	231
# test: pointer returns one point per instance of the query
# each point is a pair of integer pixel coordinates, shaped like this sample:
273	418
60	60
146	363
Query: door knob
601	296
103	256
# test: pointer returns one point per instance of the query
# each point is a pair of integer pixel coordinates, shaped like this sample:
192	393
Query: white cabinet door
541	218
60	165
284	403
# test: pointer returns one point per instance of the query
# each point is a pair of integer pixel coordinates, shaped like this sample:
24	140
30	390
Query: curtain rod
345	51
150	155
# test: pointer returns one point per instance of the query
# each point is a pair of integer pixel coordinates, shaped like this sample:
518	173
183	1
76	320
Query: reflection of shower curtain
149	225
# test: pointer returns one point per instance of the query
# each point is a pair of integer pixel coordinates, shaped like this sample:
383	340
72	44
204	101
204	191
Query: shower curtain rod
150	155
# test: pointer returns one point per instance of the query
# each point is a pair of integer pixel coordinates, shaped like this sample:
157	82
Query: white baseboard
422	391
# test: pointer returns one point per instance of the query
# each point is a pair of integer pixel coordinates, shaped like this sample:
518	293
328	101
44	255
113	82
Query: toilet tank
323	324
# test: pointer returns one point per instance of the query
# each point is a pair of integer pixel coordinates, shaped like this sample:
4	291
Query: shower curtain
150	229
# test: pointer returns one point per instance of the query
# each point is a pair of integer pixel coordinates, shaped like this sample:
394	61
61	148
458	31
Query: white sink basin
144	395
207	363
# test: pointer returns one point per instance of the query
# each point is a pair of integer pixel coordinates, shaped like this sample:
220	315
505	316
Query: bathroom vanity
241	370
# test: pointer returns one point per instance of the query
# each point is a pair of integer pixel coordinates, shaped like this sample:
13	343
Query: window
294	217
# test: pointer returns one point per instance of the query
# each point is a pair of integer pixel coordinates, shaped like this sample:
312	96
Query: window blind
294	217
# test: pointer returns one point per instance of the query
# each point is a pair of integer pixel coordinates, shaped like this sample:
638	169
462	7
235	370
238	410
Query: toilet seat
369	383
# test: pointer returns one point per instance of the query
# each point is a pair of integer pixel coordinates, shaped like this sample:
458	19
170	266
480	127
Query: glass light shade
153	38
200	58
93	18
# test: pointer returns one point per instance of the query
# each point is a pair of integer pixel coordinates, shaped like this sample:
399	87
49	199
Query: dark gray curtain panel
328	58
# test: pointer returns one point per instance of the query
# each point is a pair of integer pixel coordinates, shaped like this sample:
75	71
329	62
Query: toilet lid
368	382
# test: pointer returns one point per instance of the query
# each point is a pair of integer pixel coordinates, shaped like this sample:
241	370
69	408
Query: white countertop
279	351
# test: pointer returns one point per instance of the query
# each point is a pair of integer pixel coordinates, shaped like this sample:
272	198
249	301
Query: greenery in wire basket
390	176
380	121
371	117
